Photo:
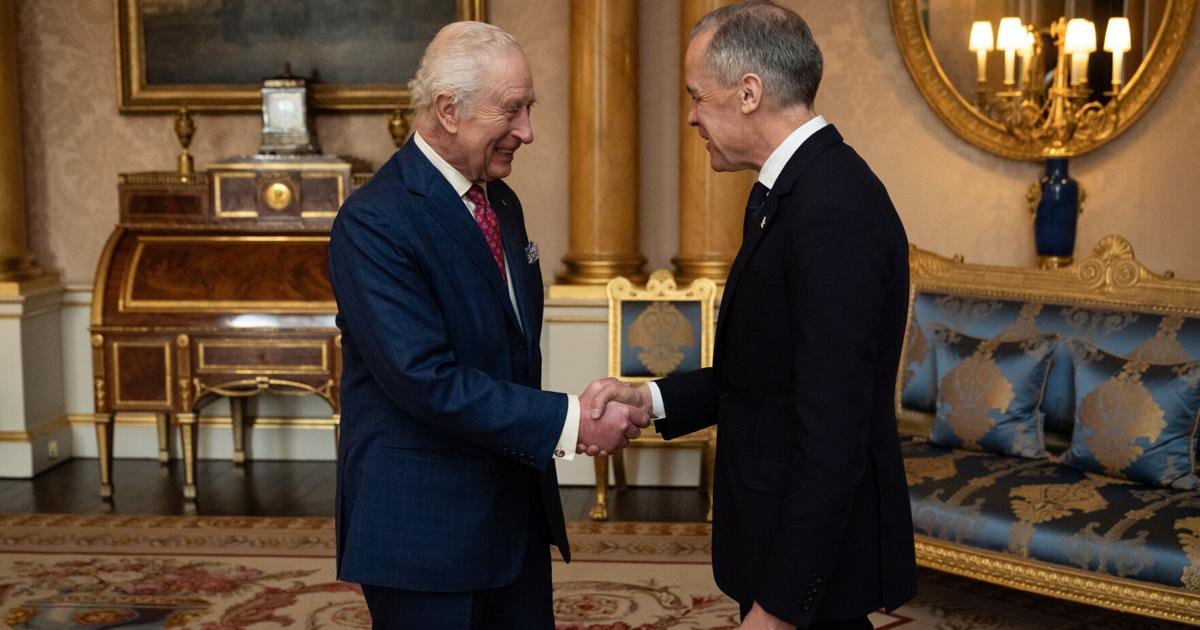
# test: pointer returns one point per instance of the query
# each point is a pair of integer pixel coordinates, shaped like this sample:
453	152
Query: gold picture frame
138	95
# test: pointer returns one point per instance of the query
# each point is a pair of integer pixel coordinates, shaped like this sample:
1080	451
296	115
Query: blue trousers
526	604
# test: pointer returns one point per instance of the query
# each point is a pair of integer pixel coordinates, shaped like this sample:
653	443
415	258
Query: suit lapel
510	232
421	178
814	146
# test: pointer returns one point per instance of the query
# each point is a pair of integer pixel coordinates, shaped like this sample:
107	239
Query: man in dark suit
447	500
811	521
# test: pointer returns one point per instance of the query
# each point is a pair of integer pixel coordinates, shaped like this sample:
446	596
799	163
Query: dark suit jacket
811	516
446	439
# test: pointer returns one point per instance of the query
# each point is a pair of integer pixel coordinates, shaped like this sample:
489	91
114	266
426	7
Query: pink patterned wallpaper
953	197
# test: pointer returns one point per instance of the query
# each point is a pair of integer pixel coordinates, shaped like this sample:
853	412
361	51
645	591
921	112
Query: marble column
711	204
603	232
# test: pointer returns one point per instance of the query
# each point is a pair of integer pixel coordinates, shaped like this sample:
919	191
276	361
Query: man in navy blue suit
447	499
811	521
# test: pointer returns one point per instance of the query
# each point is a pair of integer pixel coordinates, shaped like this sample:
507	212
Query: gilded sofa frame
1112	278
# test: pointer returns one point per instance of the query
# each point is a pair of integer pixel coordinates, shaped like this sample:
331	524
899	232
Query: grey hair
766	39
455	63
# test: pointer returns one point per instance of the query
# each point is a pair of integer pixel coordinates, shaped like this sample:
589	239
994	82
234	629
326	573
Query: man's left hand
759	619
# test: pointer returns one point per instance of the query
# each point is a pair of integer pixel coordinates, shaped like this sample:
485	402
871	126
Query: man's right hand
608	396
612	431
601	391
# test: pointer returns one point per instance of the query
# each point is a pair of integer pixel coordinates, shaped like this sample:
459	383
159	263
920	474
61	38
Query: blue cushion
1153	337
988	392
1037	509
1134	420
917	387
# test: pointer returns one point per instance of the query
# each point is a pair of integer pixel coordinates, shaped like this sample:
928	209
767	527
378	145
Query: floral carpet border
309	537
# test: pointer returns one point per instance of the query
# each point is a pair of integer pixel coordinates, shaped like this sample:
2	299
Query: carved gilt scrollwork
1110	275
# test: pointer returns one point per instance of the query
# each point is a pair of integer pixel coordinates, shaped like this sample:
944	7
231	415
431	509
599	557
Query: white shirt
766	176
460	184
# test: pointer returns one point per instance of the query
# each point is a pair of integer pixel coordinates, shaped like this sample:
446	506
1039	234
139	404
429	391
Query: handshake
611	413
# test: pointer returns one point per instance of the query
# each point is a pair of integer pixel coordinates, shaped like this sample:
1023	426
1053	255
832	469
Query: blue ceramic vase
1054	223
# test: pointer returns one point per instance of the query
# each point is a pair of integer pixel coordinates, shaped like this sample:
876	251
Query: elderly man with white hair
447	499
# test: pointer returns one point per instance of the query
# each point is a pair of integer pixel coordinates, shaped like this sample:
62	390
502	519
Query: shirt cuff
656	402
565	450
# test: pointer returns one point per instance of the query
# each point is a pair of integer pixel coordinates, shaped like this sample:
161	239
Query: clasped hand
611	413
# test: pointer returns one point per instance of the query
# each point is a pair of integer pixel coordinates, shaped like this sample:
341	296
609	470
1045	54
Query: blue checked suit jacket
446	437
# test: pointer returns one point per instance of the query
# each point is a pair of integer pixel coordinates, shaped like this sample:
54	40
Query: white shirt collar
457	180
779	157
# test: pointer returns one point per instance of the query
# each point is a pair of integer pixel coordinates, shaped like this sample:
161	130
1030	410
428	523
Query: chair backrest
659	329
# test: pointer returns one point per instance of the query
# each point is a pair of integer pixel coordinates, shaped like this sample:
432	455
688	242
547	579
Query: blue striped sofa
1034	523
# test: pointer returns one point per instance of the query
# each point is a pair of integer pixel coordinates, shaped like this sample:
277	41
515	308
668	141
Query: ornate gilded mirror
1038	79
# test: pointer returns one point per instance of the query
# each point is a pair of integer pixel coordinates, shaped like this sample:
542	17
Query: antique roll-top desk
216	284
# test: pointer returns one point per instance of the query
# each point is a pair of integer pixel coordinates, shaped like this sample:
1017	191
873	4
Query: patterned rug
230	573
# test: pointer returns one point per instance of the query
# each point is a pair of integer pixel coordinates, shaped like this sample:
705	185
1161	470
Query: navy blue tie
758	196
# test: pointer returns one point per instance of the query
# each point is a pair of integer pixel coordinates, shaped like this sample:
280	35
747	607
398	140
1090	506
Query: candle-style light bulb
1117	41
1026	53
1010	38
981	43
1080	42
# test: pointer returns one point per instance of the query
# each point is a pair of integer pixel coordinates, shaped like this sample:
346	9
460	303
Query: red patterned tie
486	218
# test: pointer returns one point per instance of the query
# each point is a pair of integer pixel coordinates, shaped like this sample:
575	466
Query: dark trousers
526	603
860	623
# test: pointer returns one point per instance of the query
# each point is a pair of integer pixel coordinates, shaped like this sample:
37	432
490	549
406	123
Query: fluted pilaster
16	262
603	232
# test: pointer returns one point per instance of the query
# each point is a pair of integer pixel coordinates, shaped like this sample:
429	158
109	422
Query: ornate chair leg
164	437
237	413
600	509
104	451
188	436
337	432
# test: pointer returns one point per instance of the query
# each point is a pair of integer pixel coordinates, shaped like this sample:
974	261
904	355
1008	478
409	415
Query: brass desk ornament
185	128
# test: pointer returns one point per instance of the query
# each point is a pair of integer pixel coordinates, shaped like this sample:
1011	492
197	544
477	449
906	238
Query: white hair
454	64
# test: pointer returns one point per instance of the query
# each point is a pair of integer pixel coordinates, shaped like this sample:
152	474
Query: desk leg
237	413
600	509
188	435
164	437
337	432
104	447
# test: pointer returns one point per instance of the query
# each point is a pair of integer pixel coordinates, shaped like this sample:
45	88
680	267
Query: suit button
806	608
